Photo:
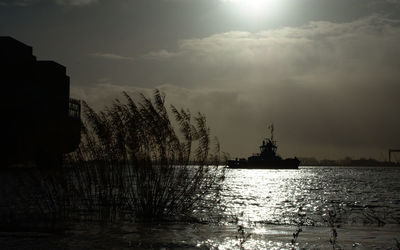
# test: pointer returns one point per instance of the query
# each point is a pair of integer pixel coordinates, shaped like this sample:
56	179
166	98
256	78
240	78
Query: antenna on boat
271	128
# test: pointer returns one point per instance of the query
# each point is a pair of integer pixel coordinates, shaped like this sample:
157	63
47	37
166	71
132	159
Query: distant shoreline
347	162
351	165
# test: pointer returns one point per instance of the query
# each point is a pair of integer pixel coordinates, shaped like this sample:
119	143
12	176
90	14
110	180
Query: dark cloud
21	3
25	3
75	2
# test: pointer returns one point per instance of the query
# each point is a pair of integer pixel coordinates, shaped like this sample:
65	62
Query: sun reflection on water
275	196
259	194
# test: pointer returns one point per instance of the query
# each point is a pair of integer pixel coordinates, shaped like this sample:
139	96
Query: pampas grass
131	164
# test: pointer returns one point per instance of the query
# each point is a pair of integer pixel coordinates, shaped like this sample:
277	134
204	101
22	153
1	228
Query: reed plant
331	218
242	236
301	220
132	162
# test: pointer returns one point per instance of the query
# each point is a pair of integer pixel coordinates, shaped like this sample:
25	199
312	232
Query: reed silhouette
132	161
131	164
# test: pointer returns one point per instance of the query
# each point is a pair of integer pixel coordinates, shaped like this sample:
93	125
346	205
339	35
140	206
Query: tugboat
267	158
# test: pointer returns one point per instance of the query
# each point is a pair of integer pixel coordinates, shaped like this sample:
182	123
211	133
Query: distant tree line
347	161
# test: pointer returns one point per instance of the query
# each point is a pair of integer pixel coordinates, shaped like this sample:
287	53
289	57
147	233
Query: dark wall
34	104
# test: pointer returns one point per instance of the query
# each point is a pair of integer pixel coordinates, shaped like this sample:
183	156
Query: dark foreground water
364	205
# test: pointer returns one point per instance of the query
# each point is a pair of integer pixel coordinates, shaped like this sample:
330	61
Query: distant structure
39	120
392	151
267	158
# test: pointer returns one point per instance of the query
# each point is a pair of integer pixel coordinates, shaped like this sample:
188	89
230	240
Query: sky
326	73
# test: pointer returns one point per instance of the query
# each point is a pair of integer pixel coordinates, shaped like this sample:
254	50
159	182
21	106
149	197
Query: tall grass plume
134	162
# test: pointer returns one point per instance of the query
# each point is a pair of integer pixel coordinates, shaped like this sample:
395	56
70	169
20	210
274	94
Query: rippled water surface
361	195
365	201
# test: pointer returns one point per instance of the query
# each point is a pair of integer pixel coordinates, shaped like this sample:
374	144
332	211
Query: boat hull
272	164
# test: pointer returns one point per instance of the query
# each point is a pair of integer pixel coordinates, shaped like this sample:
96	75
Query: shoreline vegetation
131	165
346	162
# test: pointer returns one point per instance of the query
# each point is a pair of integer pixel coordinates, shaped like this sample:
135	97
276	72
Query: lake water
364	204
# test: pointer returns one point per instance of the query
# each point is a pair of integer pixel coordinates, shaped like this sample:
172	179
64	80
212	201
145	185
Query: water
366	202
275	196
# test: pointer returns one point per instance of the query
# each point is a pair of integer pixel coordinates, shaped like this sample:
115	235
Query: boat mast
271	128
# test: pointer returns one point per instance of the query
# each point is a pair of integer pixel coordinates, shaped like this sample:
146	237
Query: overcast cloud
329	81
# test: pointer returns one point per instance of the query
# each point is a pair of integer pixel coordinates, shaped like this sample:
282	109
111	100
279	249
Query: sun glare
252	6
255	8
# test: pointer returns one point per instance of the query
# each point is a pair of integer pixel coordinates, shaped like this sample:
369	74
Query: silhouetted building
39	120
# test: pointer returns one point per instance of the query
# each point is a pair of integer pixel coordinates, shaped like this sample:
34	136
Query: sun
255	8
